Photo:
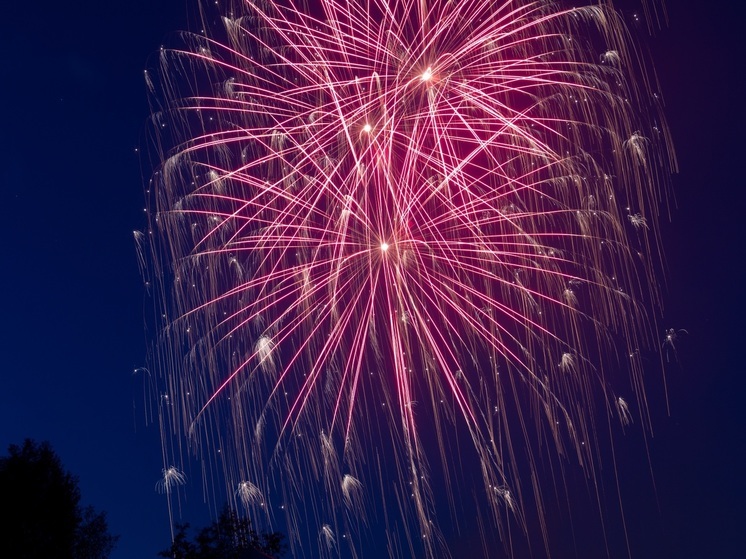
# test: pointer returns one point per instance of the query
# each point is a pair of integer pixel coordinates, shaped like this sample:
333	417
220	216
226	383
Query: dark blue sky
74	110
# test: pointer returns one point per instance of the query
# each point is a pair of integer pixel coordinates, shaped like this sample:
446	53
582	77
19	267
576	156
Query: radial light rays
401	250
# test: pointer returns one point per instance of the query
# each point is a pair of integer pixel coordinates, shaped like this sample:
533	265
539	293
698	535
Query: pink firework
401	250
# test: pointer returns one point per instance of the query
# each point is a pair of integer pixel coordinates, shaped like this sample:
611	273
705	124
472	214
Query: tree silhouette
40	507
229	537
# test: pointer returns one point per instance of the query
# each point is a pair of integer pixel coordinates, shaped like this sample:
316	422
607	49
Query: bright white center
384	247
367	128
427	74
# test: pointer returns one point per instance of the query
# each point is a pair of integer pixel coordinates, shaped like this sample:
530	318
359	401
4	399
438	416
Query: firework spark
171	477
399	249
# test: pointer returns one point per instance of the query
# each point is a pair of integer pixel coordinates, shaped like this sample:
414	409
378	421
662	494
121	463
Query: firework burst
401	250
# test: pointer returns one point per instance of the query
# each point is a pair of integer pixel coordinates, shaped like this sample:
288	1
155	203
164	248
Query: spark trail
401	251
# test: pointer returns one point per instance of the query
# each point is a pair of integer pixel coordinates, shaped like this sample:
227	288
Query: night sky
74	111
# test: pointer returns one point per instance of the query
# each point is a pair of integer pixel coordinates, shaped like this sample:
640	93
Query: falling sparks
171	477
396	240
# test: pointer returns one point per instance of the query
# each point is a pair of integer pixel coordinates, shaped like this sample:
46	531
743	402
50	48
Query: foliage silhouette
41	509
229	537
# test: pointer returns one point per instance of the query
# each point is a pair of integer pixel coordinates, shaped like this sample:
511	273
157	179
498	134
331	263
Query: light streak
375	276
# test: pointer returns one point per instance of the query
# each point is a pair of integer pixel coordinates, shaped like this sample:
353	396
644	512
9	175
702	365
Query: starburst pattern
389	234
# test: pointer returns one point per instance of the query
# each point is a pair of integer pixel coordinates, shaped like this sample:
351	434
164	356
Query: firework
171	477
401	254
